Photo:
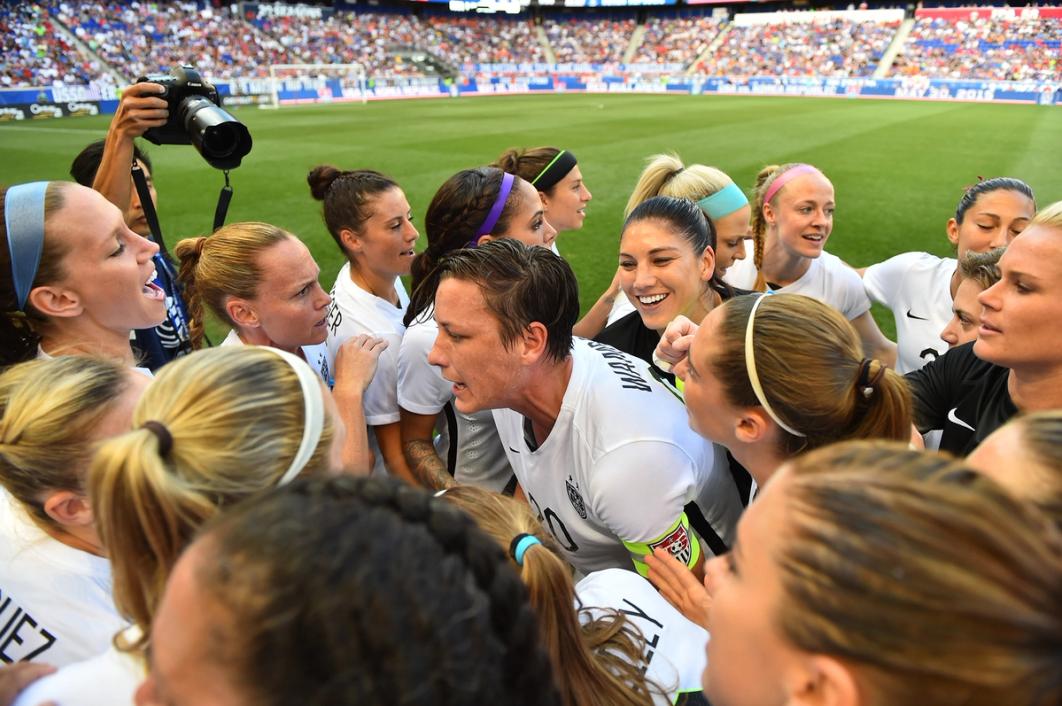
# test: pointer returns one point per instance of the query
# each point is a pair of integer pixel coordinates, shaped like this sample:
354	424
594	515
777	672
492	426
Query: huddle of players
748	349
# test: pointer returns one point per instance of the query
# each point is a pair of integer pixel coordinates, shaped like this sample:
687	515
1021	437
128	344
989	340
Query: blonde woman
715	193
792	219
73	278
262	281
1025	457
612	639
871	574
215	427
55	580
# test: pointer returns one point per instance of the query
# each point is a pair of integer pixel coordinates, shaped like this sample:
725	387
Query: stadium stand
366	38
1015	49
136	38
147	38
677	40
473	40
840	47
36	54
588	41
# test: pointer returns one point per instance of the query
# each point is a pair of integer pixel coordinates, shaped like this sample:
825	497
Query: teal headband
724	202
519	546
24	220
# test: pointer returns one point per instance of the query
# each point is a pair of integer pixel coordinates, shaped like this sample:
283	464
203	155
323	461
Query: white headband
750	366
313	416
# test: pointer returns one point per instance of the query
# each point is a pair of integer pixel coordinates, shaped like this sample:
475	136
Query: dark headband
556	170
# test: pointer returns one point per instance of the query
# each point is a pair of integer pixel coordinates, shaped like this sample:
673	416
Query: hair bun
320	178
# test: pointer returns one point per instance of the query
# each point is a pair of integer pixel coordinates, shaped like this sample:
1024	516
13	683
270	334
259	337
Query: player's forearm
426	466
112	178
357	455
597	318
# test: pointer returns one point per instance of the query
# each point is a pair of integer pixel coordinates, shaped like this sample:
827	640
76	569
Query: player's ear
533	341
752	425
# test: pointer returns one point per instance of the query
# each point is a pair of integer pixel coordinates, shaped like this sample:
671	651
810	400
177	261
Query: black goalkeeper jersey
963	395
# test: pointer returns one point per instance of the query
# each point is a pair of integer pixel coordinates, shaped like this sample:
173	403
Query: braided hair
366	591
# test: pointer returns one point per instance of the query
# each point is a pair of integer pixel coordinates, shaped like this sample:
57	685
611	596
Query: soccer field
899	167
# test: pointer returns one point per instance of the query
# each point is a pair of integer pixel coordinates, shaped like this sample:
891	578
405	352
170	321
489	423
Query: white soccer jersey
828	279
916	286
674	647
620	308
353	312
108	679
316	356
477	454
620	464
55	601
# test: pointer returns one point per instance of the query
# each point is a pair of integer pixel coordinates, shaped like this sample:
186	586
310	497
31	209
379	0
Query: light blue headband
724	202
24	220
519	546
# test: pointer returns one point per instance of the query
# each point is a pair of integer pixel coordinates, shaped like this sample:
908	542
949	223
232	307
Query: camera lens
220	138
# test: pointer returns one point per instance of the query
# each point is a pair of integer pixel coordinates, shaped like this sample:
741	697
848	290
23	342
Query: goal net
292	84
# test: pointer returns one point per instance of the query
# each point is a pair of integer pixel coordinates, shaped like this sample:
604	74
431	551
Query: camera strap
148	205
224	197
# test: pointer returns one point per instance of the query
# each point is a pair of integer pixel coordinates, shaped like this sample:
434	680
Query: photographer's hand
139	109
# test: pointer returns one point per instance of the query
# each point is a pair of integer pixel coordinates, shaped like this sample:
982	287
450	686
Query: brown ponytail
596	663
188	252
809	361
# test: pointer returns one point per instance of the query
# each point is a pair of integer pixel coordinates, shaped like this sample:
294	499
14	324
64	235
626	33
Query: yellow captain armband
679	540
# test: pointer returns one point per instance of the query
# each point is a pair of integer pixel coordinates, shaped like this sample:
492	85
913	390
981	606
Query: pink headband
787	176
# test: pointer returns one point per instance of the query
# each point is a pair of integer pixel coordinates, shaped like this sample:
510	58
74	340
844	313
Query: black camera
196	118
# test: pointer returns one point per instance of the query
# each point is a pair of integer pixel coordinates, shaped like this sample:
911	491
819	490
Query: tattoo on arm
426	465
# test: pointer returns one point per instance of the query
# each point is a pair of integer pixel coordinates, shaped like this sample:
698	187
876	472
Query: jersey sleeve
853	297
421	387
882	282
640	491
935	386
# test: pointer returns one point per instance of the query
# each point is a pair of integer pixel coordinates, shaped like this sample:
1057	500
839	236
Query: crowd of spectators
1017	49
140	38
676	40
34	53
366	38
586	41
836	48
475	40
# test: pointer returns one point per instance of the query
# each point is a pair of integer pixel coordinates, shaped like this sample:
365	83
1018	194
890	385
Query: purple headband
496	209
787	176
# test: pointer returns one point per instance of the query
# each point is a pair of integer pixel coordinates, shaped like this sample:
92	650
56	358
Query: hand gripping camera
196	118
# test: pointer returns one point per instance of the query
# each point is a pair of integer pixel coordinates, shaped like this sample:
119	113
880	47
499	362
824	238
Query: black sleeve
936	388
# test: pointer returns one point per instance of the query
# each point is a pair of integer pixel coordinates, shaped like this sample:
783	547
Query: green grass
899	167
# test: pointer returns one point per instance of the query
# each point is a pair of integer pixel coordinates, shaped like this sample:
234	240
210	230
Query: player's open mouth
459	387
652	299
152	290
815	237
407	253
321	323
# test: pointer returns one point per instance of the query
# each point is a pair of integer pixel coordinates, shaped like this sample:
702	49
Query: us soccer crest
575	498
677	544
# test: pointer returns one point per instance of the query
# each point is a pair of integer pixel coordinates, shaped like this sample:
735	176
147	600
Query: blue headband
24	220
495	210
724	202
519	546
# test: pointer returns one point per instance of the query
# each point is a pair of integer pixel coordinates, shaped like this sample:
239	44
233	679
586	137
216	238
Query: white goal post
310	83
